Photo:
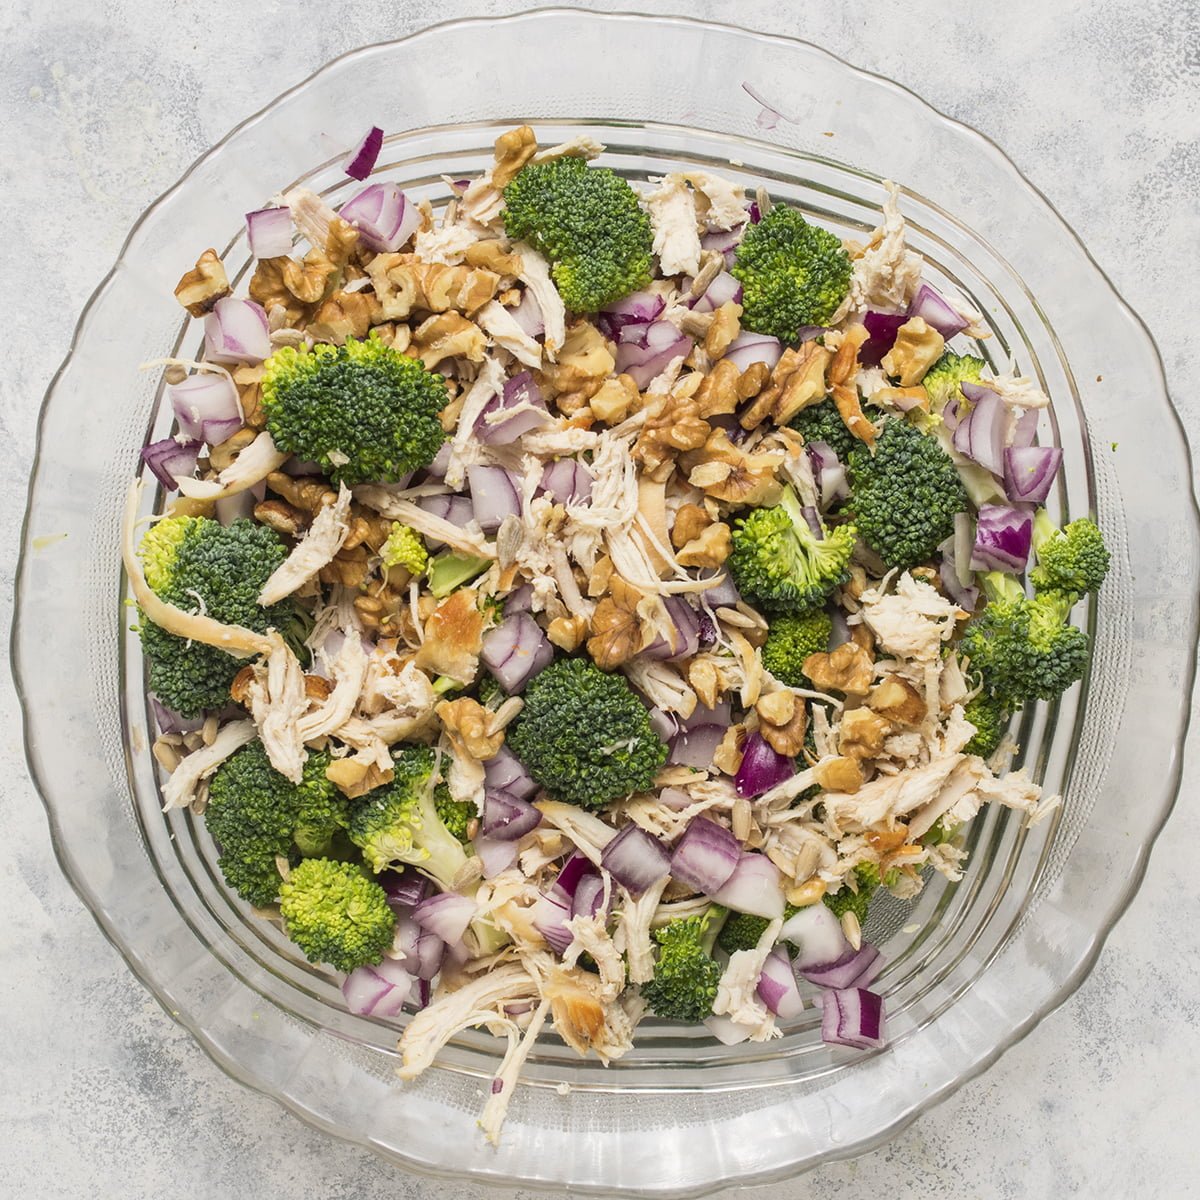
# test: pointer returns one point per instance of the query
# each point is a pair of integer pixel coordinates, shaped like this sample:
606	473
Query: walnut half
201	287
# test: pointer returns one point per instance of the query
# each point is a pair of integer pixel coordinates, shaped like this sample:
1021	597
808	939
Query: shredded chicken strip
535	274
405	511
316	549
501	326
252	465
504	1082
277	702
349	673
180	789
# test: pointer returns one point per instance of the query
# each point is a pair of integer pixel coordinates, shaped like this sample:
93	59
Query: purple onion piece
1003	539
853	1017
170	461
360	162
504	772
882	328
236	331
762	768
777	986
695	747
515	651
507	818
933	309
754	887
447	914
635	859
269	232
1029	472
705	857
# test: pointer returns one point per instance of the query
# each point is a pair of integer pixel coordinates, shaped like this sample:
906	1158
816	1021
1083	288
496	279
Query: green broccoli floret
587	221
363	411
1023	649
943	381
1072	561
903	497
823	423
398	822
990	717
336	914
780	565
404	548
741	931
792	274
257	815
450	570
846	899
791	639
199	565
585	736
456	815
686	974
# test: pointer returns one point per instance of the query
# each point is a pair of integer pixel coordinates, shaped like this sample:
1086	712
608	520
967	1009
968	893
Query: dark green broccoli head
823	423
587	221
363	411
456	815
584	735
336	914
1072	561
780	565
943	381
791	639
792	274
686	974
903	497
741	931
1023	649
846	899
990	717
199	565
398	823
257	815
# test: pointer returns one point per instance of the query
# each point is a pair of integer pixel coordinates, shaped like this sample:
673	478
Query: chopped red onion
724	241
853	1017
817	935
754	887
528	315
749	348
505	772
171	461
663	723
1024	430
360	162
169	721
663	343
495	855
674	798
494	496
975	392
441	462
589	896
965	595
423	949
269	232
856	968
777	986
550	914
763	768
567	481
721	595
206	406
519	600
1003	539
695	747
635	859
458	510
383	215
719	714
498	426
506	818
405	889
1029	472
638	308
236	331
447	914
379	991
933	309
723	288
421	994
576	868
705	857
980	435
727	1031
686	640
515	651
883	328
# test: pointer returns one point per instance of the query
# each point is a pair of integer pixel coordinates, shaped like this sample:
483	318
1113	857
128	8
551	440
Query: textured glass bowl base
970	967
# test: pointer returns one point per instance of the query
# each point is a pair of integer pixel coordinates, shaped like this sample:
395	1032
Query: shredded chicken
737	991
535	274
499	323
180	789
252	465
277	701
323	539
888	273
673	220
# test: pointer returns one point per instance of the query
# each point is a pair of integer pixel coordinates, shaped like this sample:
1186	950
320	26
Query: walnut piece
568	633
490	254
584	363
615	400
777	708
281	517
783	722
448	335
847	669
725	387
343	315
513	149
403	284
842	373
727	473
201	287
309	493
467	722
311	279
725	326
706	681
710	548
917	347
727	757
839	775
673	424
862	733
690	520
897	700
797	382
354	778
453	636
618	631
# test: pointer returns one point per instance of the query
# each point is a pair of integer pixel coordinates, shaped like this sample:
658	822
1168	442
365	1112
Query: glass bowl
971	968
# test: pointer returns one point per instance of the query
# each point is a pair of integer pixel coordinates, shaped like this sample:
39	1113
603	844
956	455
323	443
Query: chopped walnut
316	687
403	283
268	288
727	473
783	722
584	363
897	700
615	400
917	347
797	382
727	756
341	316
706	681
201	287
777	708
847	669
903	398
312	278
453	636
223	454
862	733
513	149
690	520
673	424
309	493
725	387
281	517
354	778
842	373
568	633
710	548
448	335
839	775
618	632
491	255
600	577
725	326
467	722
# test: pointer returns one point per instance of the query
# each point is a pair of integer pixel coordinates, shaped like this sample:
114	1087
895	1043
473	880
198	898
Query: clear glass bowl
988	958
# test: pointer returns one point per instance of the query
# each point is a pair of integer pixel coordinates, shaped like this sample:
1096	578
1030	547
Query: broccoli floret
585	736
450	570
792	274
846	899
199	565
779	564
336	914
1024	649
741	931
456	815
823	423
790	640
944	379
903	497
257	815
404	548
1072	561
686	974
587	221
398	822
990	717
363	411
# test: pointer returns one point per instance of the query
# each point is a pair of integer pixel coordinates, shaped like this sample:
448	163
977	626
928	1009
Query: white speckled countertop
102	106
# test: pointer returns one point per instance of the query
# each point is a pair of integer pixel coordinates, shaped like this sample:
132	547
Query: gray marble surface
103	103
